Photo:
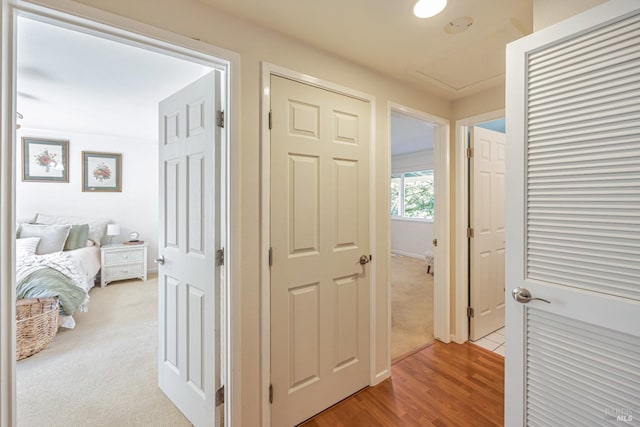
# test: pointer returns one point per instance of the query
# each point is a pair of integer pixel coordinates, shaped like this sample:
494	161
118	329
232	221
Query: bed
59	256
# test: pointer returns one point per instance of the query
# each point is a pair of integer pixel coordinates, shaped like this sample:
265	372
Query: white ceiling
74	82
409	135
384	35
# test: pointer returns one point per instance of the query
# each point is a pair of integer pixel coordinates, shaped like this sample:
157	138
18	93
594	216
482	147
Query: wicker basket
36	325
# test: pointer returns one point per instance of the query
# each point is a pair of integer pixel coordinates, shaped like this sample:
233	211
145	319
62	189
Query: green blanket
48	283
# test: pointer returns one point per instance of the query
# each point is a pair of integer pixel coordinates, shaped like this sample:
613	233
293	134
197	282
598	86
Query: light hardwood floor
441	385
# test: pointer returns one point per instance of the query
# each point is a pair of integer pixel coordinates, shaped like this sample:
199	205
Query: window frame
401	194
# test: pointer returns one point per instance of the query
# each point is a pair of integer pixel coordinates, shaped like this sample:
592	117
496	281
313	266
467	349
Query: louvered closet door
573	221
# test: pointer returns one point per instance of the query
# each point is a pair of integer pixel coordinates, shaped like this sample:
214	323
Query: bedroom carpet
103	372
411	305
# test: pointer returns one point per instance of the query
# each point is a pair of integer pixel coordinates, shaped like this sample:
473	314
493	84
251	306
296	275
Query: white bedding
89	259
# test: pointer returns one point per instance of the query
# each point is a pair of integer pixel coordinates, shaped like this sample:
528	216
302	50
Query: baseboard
407	254
152	270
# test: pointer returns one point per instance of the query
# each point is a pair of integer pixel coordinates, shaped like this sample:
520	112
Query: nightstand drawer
123	271
123	257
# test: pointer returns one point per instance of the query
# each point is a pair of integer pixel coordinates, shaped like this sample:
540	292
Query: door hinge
270	393
270	257
220	118
270	120
220	396
469	153
470	233
470	312
220	257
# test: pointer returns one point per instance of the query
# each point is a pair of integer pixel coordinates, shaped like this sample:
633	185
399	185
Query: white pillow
97	227
52	237
26	247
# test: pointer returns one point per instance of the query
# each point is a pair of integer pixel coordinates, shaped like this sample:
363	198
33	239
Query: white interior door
573	221
487	221
189	281
319	231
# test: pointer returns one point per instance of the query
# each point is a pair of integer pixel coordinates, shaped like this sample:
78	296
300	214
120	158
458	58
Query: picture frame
45	160
101	172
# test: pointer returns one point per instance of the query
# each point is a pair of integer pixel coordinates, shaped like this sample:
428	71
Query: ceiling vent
458	25
474	64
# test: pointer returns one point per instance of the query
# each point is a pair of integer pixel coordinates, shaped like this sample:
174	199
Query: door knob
435	242
523	296
159	260
364	260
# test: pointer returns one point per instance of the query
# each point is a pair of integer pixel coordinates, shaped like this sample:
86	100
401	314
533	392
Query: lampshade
113	229
428	8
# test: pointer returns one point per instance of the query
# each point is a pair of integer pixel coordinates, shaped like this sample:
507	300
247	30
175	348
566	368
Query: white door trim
442	228
265	146
461	243
94	21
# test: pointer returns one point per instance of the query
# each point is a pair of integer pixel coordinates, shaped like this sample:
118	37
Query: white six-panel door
189	351
573	221
319	231
487	221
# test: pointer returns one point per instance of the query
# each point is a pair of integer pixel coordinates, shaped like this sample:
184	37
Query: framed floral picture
45	160
101	172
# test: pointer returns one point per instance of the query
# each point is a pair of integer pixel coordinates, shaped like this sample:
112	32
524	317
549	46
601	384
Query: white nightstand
120	262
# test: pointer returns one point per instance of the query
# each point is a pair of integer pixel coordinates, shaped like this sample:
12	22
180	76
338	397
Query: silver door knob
159	260
364	260
523	296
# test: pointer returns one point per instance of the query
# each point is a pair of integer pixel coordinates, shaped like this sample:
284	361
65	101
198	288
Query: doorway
412	233
491	122
486	162
320	250
201	54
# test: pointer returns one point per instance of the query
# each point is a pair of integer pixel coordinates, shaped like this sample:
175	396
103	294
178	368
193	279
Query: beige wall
194	19
549	12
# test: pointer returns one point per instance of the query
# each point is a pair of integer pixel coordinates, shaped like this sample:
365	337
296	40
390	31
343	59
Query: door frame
269	70
442	227
461	245
116	28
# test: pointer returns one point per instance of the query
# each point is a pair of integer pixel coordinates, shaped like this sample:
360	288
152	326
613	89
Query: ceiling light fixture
428	8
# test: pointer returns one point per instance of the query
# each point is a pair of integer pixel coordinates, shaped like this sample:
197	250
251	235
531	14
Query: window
412	194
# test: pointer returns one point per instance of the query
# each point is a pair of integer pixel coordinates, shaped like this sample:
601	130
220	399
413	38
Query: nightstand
121	262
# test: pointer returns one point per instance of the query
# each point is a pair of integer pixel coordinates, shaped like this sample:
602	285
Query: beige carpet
411	305
103	372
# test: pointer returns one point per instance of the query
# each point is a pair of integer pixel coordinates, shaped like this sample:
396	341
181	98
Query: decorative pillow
90	243
97	227
78	235
26	246
52	237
